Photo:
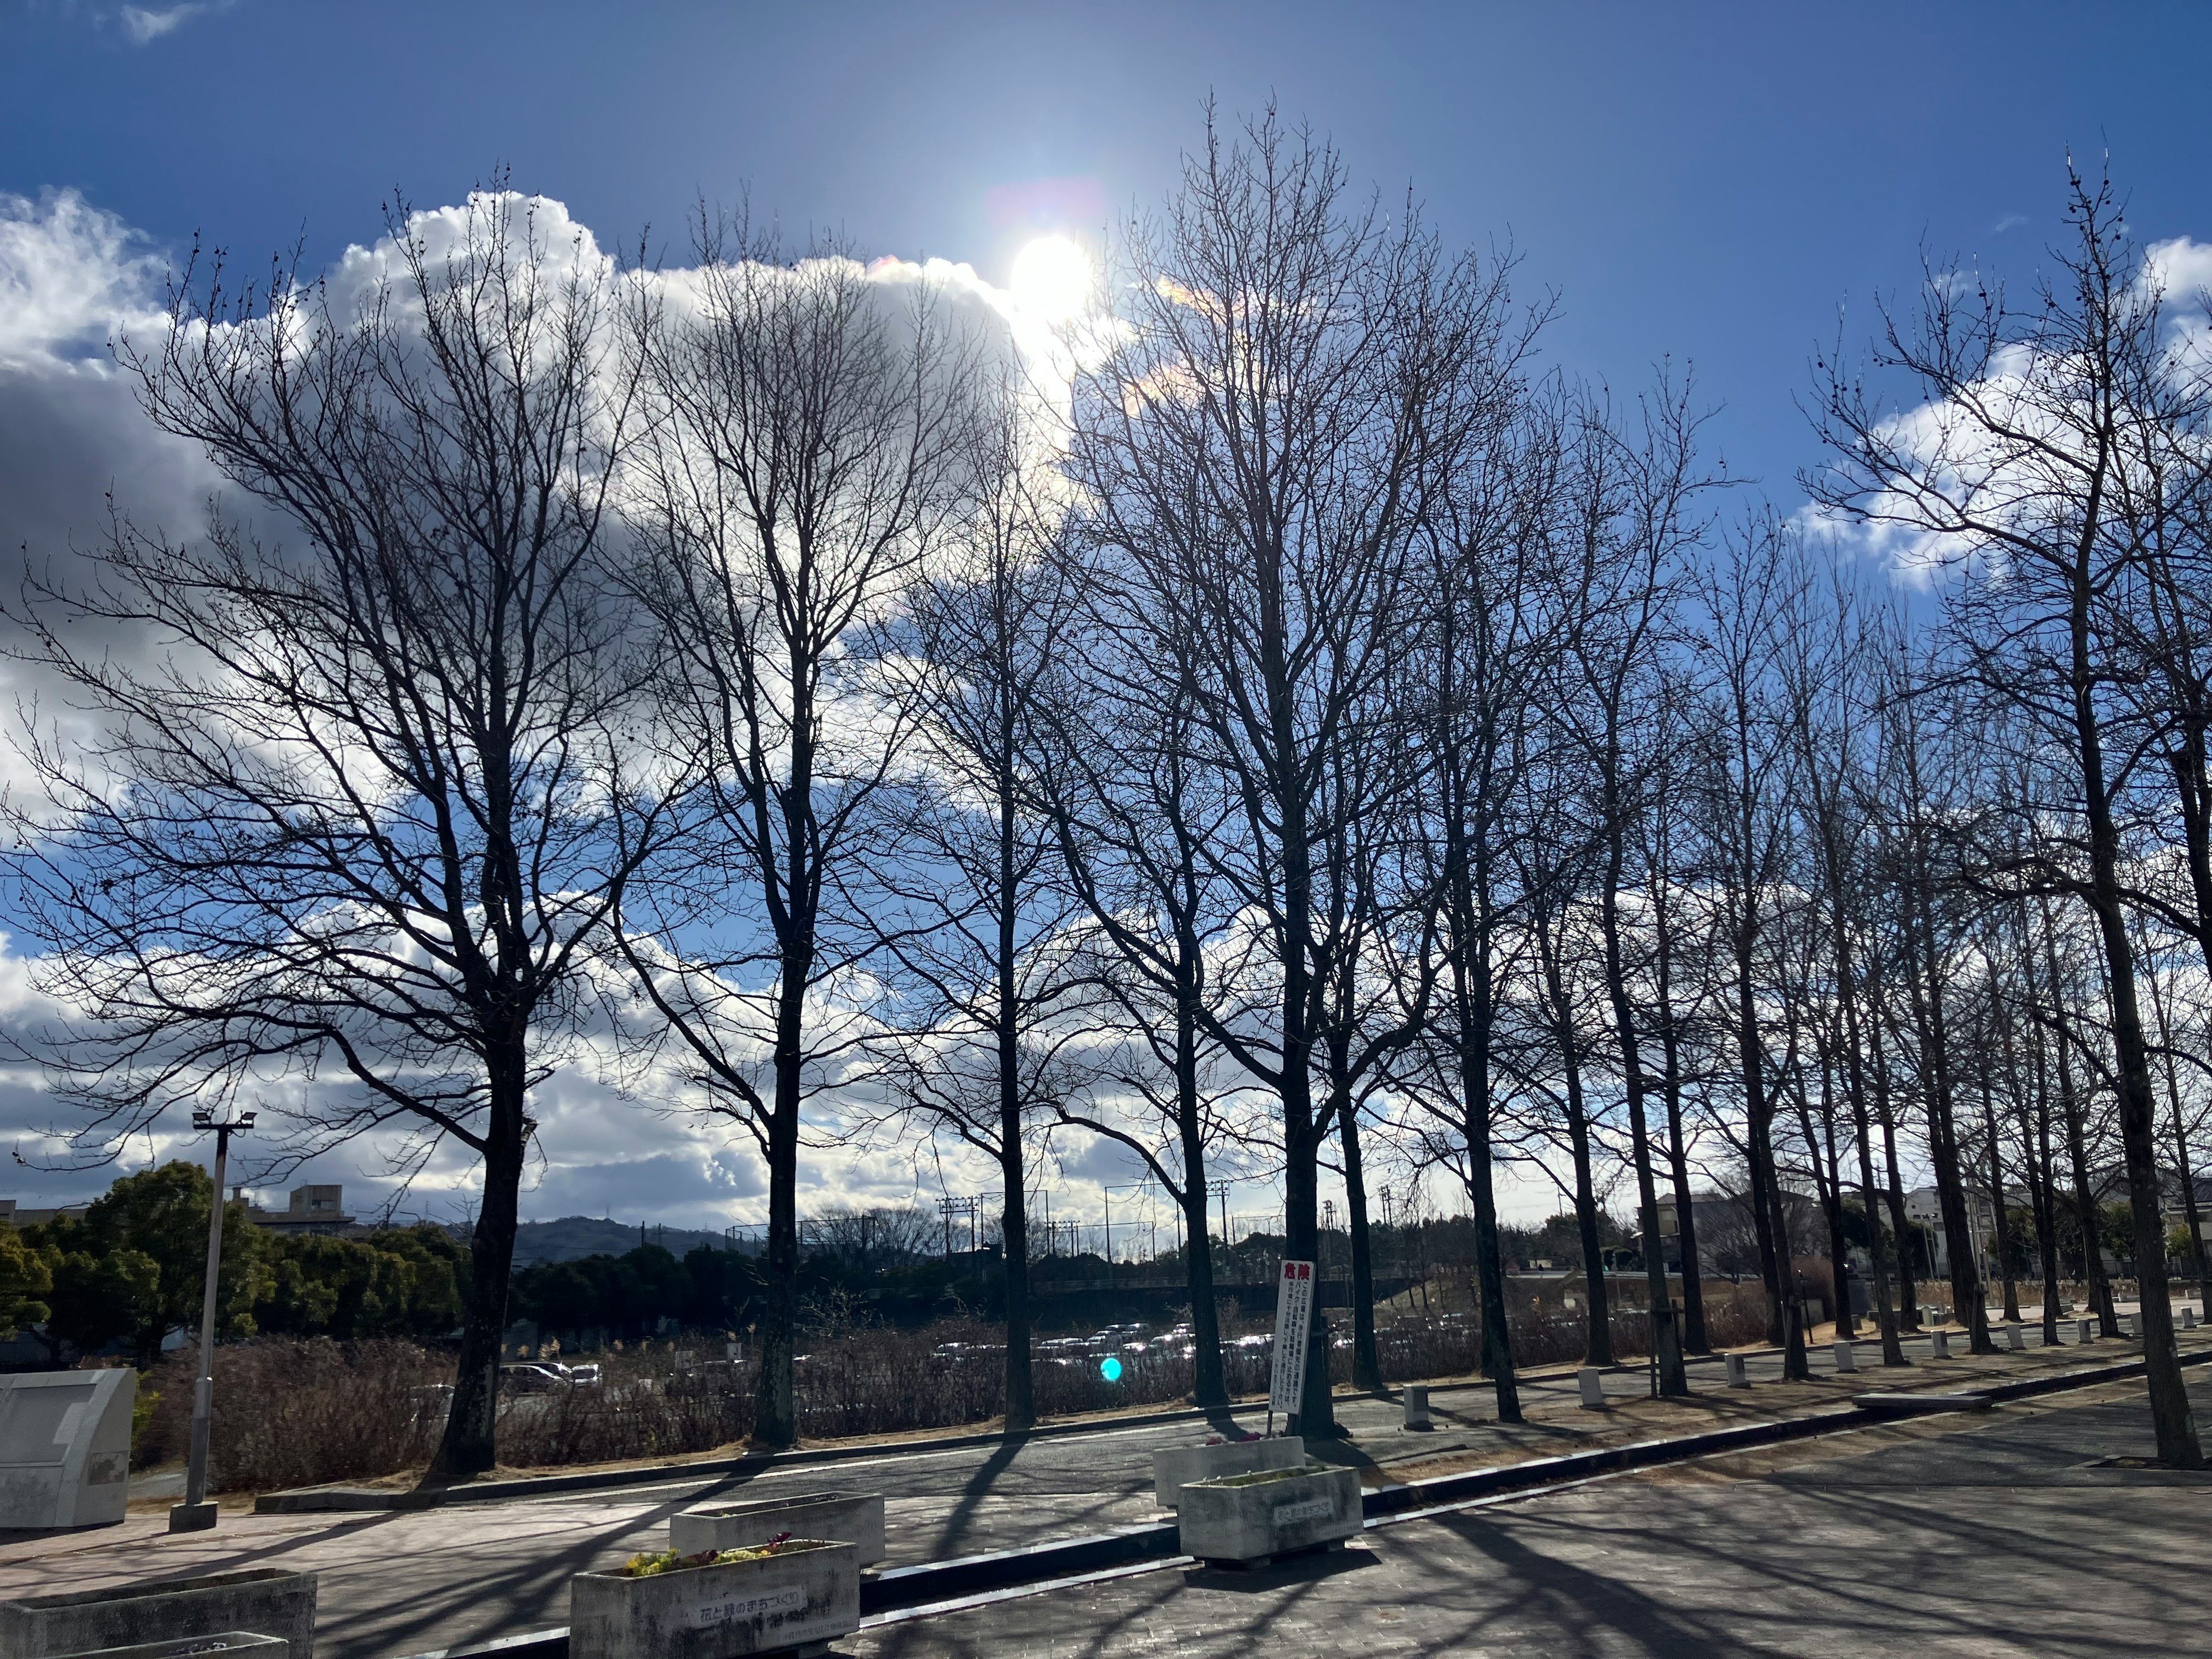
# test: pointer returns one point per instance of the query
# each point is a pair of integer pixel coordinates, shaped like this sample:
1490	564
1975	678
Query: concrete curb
315	1500
310	1500
928	1582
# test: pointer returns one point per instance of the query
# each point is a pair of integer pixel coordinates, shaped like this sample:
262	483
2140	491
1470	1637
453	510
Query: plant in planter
789	1594
1247	1519
854	1518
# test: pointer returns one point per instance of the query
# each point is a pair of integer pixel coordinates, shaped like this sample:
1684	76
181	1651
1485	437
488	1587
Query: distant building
314	1209
1728	1233
16	1215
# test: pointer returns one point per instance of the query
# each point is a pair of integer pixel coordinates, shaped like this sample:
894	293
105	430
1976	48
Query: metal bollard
1417	1406
2014	1340
2189	1319
1845	1359
1737	1377
2081	1331
1942	1344
2130	1324
1593	1386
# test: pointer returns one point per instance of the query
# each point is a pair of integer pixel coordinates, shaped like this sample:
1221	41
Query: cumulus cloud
76	450
1966	463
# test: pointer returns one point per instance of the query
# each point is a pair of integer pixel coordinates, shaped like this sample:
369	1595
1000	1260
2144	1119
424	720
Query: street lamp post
196	1514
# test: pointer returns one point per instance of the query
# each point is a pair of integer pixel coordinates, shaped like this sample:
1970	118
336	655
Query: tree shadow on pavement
974	1489
1313	1567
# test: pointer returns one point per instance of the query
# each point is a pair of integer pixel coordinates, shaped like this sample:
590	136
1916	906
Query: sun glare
1053	279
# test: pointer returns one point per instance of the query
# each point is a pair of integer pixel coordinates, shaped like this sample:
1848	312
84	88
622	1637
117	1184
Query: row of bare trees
1286	731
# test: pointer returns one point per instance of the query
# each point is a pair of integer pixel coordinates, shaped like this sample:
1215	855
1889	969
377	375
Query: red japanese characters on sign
1293	1324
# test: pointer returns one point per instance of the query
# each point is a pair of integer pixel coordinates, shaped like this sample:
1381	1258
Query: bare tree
1136	808
357	811
1250	451
806	434
1636	518
1923	793
1831	683
1745	775
1664	839
983	933
2026	480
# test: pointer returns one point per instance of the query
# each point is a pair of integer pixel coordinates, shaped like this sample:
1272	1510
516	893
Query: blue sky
1706	183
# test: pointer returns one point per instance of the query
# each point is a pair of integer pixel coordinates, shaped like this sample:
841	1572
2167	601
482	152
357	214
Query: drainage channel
931	1589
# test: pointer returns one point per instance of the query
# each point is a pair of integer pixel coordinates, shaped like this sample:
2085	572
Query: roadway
404	1583
1994	1538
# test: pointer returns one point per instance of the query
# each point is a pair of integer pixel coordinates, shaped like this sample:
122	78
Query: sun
1053	279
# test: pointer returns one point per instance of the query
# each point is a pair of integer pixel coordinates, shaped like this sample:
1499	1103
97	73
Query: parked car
430	1403
534	1376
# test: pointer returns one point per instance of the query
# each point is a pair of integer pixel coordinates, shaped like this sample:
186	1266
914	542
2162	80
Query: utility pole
196	1514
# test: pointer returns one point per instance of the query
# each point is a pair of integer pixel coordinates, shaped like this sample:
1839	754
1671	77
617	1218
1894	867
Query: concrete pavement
1992	1538
400	1583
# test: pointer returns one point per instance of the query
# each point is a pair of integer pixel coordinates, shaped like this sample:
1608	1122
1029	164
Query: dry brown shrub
303	1414
299	1414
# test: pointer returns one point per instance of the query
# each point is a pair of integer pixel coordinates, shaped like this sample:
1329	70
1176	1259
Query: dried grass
303	1414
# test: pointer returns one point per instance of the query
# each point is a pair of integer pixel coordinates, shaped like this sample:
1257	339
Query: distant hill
573	1237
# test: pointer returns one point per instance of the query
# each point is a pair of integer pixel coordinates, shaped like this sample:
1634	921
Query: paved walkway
396	1583
1988	1540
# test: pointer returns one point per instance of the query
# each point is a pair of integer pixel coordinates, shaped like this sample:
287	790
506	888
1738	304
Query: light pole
1107	1192
196	1514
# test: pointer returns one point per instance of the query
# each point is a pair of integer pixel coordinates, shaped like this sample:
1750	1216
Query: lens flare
1110	1369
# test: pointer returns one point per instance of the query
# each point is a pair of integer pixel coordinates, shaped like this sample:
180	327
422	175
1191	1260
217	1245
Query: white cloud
1965	464
75	443
69	274
143	25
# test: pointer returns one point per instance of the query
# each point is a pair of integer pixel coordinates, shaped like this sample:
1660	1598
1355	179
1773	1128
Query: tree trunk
1210	1387
1598	1350
2171	1419
1855	1083
1924	992
1839	1261
2070	1106
1785	1316
1472	988
1366	1364
1598	1346
1666	1338
1901	1228
2182	1166
1997	1200
2042	1182
1013	1224
1678	1161
470	1445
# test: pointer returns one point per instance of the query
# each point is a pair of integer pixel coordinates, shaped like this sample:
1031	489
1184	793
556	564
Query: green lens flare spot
1110	1369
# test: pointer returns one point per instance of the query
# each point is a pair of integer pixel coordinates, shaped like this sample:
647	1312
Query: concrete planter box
265	1601
65	1448
841	1517
801	1598
1248	1518
232	1644
1174	1469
